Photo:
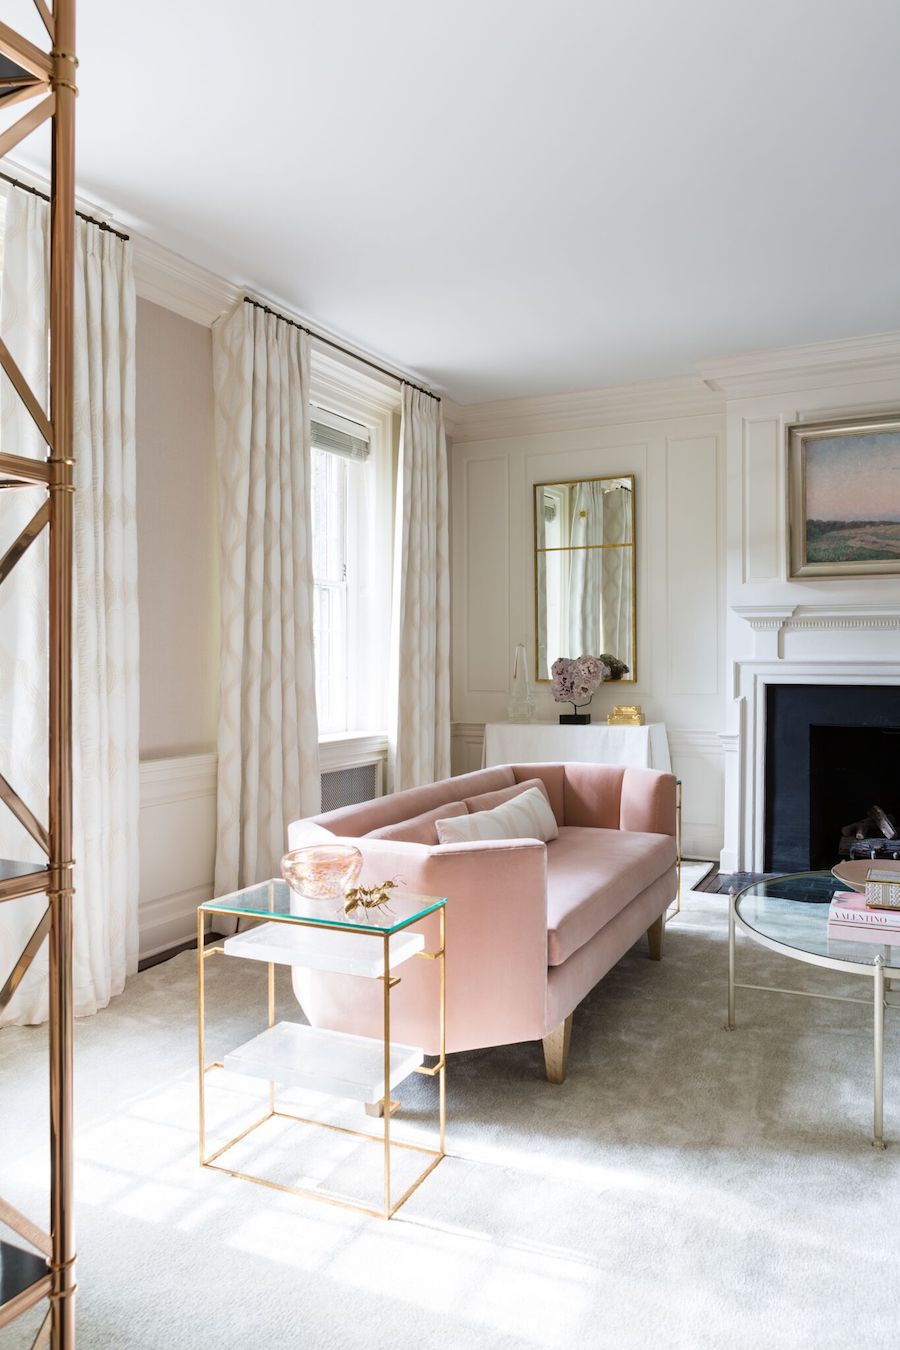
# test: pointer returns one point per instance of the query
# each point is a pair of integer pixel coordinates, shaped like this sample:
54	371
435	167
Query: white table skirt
644	747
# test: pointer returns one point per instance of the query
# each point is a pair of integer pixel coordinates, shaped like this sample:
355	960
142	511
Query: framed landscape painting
845	498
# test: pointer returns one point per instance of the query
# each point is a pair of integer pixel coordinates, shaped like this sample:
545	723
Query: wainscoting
178	847
697	759
178	829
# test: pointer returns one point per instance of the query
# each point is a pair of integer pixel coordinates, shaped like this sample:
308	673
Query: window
330	572
351	524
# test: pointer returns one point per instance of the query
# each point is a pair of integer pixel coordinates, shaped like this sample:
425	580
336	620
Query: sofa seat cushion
592	875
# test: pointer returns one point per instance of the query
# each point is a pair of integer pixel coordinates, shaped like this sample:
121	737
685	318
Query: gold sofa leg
655	938
556	1051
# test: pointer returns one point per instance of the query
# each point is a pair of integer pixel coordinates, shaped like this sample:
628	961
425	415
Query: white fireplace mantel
771	623
745	780
780	629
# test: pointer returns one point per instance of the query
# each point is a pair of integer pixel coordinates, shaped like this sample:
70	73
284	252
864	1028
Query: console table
644	747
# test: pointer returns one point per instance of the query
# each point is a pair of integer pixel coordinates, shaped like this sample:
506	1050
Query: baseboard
701	842
171	919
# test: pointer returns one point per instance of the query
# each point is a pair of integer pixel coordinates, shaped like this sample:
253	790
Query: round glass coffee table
789	914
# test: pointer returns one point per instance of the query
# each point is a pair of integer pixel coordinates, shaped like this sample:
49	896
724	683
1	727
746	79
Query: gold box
626	715
883	888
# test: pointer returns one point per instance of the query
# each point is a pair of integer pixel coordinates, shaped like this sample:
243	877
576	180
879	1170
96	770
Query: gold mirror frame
539	550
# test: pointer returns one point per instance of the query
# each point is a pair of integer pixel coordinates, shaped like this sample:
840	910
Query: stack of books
849	917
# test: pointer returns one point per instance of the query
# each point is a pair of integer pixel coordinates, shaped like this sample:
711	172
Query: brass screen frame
49	77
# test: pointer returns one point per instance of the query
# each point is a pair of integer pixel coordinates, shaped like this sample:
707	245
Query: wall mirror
584	571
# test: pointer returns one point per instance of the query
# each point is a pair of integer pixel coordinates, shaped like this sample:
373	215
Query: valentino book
849	917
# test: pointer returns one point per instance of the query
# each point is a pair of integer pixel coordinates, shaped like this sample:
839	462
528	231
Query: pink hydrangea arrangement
575	680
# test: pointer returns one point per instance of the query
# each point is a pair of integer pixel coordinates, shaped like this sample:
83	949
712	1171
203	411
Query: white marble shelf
288	944
333	1062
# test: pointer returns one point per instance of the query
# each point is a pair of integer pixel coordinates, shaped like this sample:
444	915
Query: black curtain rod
91	220
373	365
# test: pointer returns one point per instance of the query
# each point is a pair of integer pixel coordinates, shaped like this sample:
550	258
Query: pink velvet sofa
531	927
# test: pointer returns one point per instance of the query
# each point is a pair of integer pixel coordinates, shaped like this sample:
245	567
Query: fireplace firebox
832	754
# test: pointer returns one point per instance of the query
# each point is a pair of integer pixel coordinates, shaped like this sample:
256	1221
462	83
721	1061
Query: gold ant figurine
369	897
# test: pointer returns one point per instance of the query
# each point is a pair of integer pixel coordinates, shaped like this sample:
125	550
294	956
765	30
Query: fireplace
832	752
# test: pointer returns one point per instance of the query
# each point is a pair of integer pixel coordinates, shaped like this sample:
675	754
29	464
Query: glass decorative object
322	871
521	701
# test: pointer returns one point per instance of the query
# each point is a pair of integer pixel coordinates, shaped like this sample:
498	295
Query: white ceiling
515	196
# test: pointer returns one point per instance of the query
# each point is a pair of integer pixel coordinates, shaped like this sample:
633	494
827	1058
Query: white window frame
339	387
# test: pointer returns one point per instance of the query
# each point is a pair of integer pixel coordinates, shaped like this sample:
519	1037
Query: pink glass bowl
322	871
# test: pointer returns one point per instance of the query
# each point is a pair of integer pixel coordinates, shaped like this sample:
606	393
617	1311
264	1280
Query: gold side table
290	930
675	907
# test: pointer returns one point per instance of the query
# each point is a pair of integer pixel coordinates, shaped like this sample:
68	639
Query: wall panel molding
177	778
762	534
692	582
486	580
177	829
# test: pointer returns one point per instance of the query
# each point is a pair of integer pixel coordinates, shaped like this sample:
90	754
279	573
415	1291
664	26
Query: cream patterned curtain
586	532
419	715
617	599
268	734
106	643
599	611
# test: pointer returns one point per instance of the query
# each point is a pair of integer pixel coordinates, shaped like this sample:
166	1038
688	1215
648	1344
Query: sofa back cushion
420	829
525	816
593	795
486	801
359	819
553	777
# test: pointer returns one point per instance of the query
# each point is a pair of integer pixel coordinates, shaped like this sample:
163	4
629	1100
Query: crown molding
649	400
161	276
845	361
31	178
167	279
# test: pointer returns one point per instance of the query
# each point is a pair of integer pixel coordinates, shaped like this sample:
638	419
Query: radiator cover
346	787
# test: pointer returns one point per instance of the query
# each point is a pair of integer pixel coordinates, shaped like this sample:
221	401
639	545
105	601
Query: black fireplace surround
832	751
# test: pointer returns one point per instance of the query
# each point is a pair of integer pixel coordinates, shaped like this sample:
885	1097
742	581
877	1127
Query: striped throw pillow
527	816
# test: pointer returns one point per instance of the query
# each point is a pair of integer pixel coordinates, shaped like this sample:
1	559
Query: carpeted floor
687	1187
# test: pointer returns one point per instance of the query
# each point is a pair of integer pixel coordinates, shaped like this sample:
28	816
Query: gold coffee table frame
390	1206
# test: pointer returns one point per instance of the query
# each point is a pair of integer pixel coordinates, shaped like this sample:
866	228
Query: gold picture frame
844	498
627	547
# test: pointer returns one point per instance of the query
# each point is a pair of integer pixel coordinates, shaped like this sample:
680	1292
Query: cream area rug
687	1187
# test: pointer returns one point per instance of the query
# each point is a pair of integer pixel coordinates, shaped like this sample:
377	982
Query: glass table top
793	911
10	869
275	899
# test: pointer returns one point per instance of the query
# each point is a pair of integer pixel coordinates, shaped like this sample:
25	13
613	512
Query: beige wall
176	507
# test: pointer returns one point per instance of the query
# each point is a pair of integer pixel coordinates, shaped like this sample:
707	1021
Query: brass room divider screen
45	1266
